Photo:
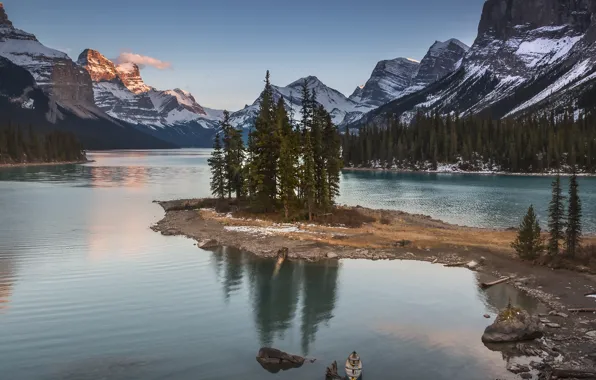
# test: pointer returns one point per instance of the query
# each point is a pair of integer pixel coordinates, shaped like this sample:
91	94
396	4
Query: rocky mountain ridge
120	91
528	56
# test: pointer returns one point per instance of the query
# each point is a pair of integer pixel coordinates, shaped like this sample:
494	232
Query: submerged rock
512	325
274	360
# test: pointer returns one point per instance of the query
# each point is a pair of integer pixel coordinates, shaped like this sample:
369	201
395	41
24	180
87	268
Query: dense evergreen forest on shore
534	144
20	146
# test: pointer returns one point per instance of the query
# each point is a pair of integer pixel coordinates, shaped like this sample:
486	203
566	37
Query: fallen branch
486	285
583	310
573	374
331	373
456	264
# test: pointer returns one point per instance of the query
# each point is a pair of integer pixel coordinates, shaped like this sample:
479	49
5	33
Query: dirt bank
389	235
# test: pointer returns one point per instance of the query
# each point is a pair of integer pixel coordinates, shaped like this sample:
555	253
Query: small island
30	148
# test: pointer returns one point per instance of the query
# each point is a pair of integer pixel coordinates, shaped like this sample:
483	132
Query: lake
88	291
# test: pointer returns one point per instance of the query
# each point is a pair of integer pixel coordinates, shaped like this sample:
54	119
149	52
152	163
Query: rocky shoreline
24	164
569	340
470	172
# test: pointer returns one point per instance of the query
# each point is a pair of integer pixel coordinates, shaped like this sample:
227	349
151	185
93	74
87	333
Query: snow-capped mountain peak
4	21
98	66
54	72
120	91
130	74
438	47
388	80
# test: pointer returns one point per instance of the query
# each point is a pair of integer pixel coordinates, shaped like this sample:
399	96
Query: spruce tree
233	150
308	176
266	151
529	244
555	218
288	158
217	166
333	157
574	214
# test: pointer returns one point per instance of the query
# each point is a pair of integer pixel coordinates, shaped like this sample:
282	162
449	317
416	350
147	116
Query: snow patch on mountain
576	72
535	51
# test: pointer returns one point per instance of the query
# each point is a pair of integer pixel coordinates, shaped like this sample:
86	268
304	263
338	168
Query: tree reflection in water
275	300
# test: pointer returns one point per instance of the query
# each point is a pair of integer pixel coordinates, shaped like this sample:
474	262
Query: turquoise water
88	291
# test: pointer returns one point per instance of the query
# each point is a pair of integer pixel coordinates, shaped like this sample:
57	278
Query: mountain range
529	55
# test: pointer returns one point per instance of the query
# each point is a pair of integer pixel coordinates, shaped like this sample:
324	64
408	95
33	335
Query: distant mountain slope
392	79
337	104
172	115
43	87
529	55
24	104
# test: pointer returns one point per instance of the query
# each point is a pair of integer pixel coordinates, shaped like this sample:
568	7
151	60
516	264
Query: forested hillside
533	144
20	146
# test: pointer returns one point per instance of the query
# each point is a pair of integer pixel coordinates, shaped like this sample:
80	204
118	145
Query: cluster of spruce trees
294	166
565	231
532	144
18	146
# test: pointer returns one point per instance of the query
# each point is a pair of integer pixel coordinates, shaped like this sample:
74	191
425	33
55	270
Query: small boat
354	367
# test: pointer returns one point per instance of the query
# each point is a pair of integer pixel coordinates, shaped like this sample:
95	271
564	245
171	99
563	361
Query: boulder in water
274	360
513	325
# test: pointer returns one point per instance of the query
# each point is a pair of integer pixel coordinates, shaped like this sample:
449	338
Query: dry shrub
348	217
384	220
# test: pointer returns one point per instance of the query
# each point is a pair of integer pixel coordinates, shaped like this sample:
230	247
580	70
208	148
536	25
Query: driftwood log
583	310
486	285
461	264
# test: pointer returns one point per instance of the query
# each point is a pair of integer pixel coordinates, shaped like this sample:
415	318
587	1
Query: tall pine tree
218	172
233	149
574	214
556	222
265	154
288	158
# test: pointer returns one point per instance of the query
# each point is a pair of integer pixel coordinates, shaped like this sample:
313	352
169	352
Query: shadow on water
498	297
276	300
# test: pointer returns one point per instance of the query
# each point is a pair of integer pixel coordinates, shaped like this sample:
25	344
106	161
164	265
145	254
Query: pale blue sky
219	50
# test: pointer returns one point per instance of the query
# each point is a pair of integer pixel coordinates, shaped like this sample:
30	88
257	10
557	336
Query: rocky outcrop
513	325
4	21
442	59
388	81
99	67
130	74
54	72
274	360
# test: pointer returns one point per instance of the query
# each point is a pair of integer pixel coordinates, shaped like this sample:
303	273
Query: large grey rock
512	325
274	360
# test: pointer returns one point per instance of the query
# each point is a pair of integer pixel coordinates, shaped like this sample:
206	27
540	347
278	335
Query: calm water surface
88	291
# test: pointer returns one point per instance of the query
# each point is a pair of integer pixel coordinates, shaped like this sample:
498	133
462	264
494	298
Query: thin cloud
143	60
